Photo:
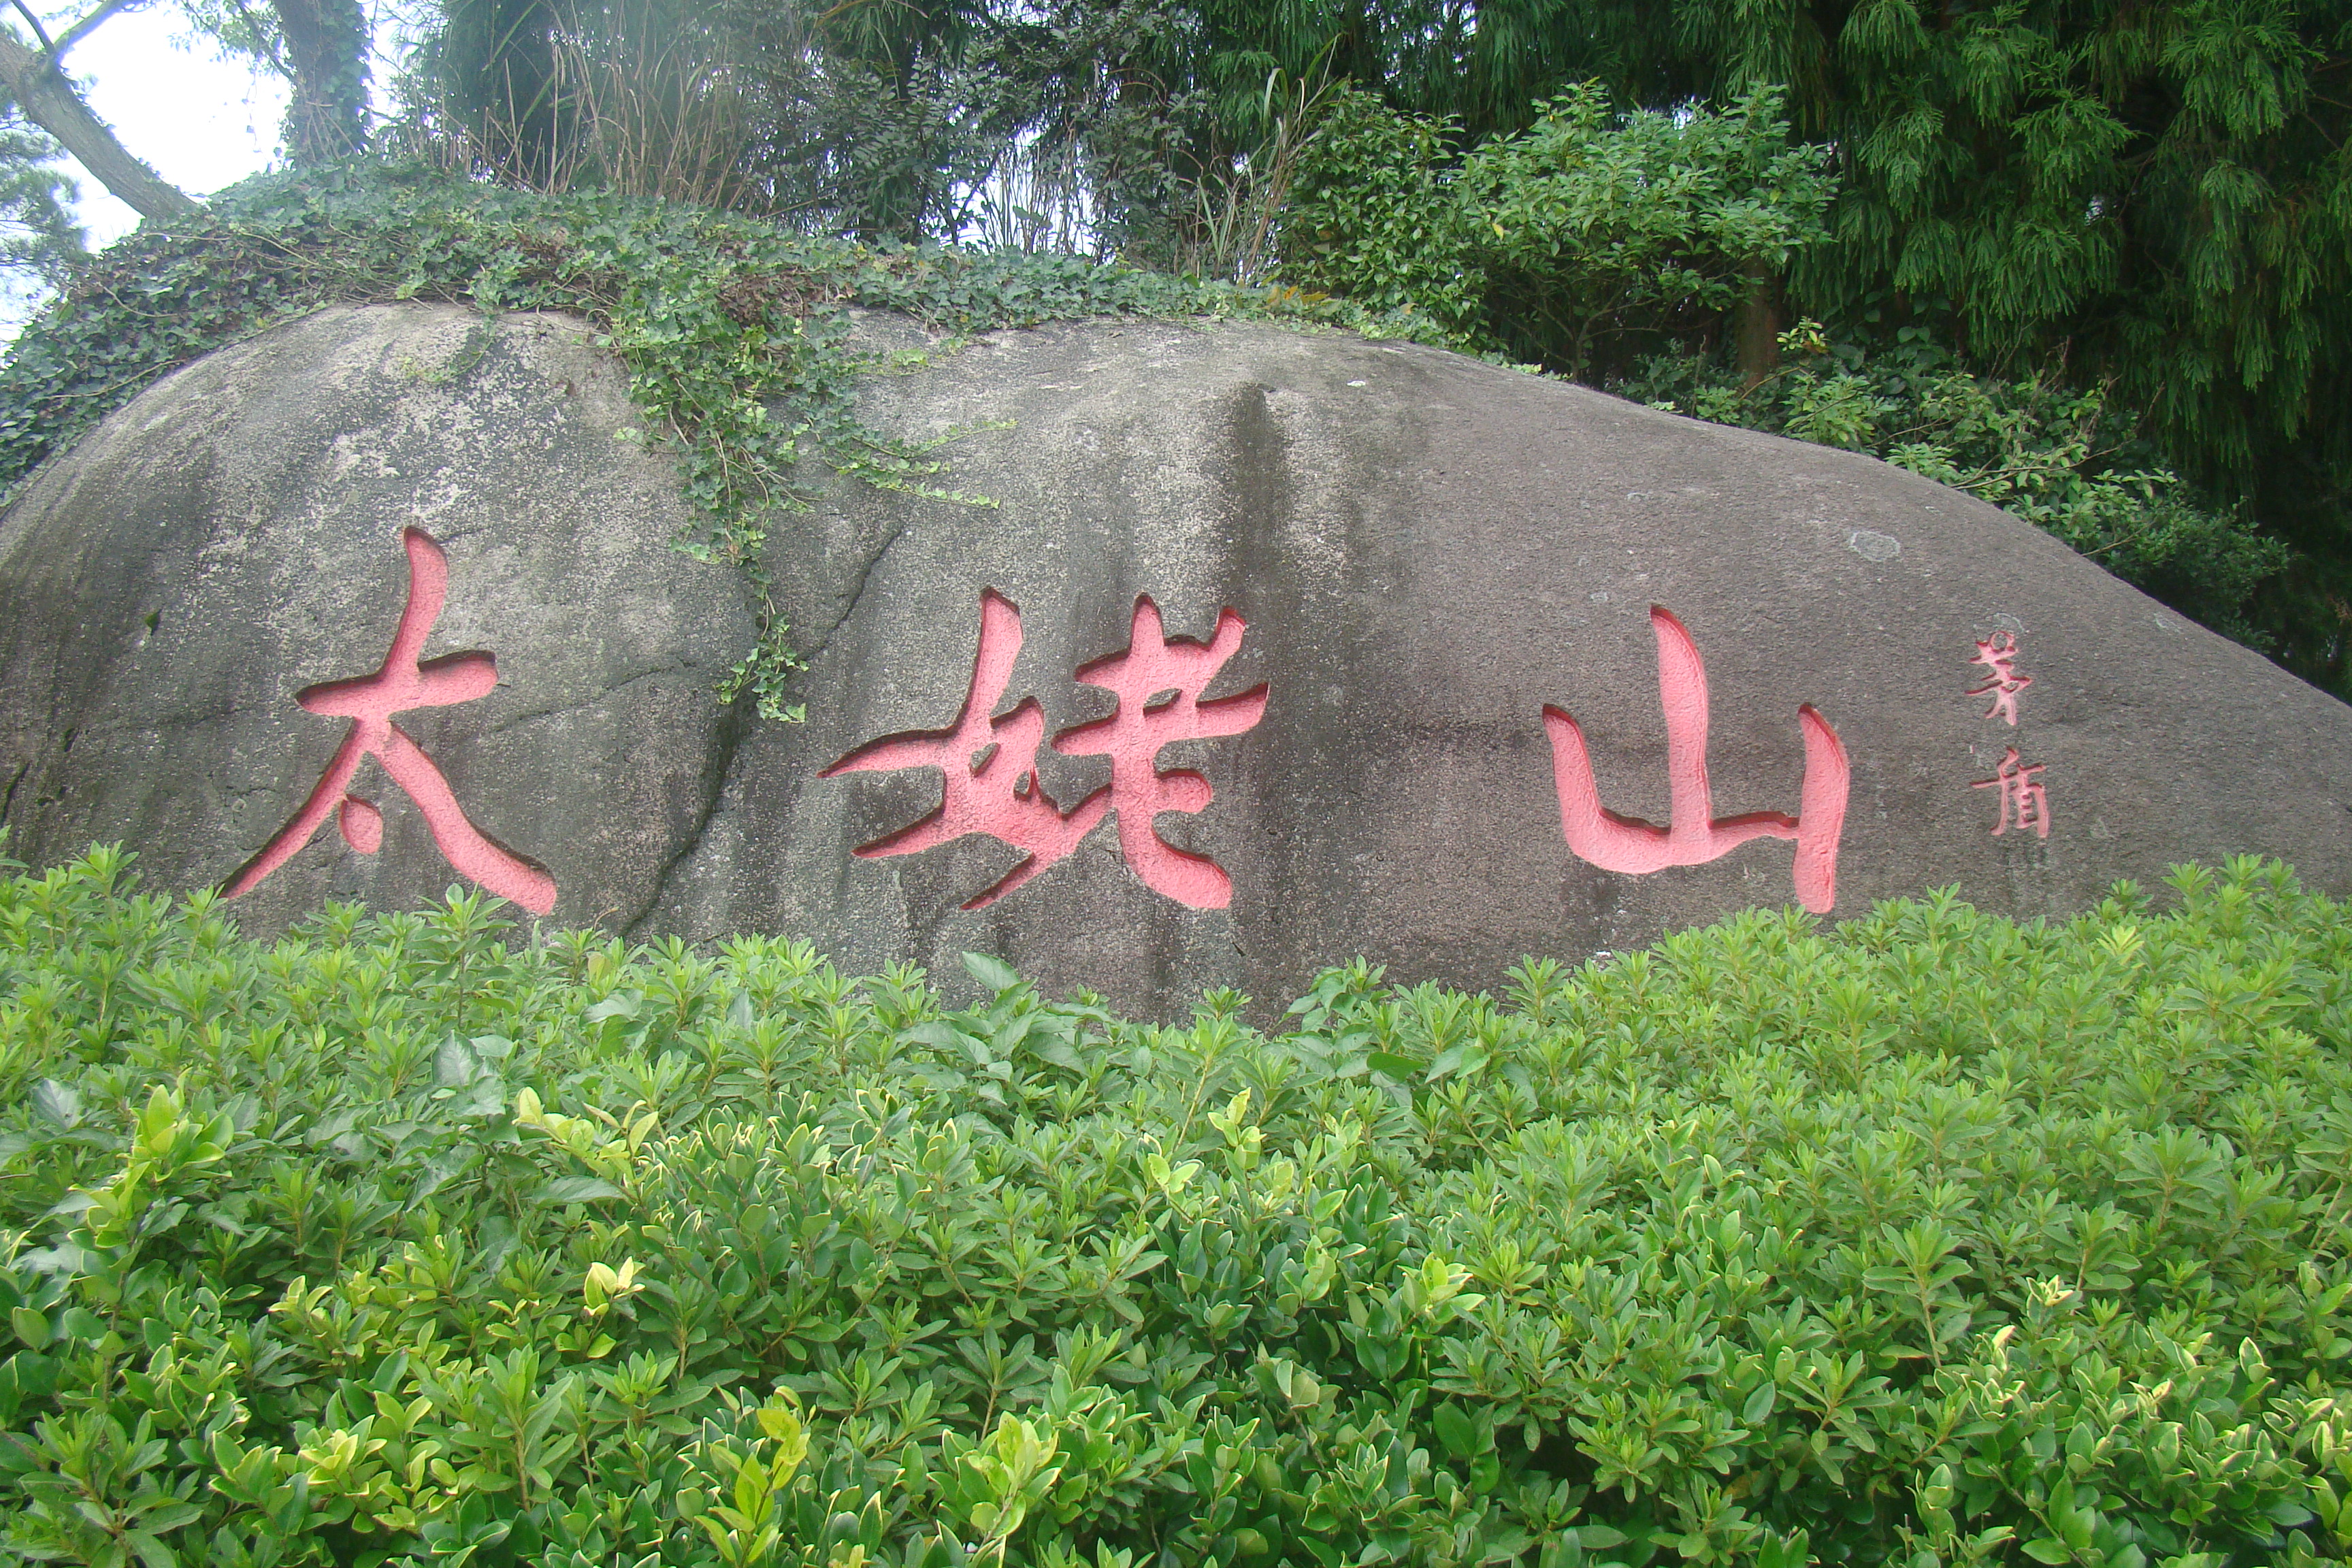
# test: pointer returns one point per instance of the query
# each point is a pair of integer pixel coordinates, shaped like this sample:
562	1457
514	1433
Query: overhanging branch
35	23
50	101
81	29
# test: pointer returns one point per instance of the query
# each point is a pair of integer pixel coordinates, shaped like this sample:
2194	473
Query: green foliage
735	333
1200	67
1371	215
2050	453
482	83
40	241
1931	1239
1561	242
1605	225
2153	196
2163	184
864	119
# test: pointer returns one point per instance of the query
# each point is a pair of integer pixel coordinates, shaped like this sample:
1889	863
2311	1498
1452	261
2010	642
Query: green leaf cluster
1568	243
2165	185
1371	214
2156	195
40	241
1933	1239
2053	454
1605	224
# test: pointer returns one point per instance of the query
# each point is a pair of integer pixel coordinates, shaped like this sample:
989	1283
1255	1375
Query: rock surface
234	536
1422	554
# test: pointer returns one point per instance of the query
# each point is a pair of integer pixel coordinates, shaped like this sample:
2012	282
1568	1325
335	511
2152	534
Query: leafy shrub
2053	455
1591	226
1562	241
1931	1239
1371	217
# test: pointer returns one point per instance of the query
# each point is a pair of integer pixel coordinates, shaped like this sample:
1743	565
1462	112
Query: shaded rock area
1422	554
234	536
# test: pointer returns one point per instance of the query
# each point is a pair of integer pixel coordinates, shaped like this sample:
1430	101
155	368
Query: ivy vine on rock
735	333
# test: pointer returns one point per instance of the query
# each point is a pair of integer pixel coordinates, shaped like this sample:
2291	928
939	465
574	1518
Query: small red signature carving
990	765
402	683
2023	801
1696	835
1997	654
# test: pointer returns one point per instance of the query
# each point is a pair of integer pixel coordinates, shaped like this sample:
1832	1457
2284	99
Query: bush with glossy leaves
1929	1238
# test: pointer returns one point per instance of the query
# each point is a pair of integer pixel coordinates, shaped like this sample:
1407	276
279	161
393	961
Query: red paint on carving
361	822
989	766
1997	654
2024	802
1696	836
1821	811
401	683
1151	666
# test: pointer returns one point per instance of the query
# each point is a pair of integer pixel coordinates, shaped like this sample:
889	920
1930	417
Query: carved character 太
401	683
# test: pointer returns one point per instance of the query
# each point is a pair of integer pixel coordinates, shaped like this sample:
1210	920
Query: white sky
200	121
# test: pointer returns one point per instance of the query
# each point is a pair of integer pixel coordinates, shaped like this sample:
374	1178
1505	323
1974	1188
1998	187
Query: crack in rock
734	728
857	594
513	720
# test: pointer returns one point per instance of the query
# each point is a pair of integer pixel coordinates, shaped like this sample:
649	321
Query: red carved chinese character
2023	801
369	703
1136	731
990	765
1696	836
1997	654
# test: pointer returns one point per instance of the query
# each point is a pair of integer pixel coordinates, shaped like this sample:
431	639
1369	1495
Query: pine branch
50	101
82	29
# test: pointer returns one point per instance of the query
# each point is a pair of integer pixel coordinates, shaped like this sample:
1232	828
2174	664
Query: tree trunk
1757	324
326	49
50	101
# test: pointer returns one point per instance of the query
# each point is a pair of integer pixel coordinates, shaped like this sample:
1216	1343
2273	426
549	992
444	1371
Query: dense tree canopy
2152	195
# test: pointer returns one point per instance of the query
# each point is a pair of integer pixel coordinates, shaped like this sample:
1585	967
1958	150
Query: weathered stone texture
1427	550
233	535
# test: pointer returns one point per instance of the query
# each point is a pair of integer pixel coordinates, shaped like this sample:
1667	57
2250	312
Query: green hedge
1931	1238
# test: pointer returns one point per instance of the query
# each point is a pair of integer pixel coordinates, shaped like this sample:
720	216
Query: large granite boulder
1276	648
242	533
